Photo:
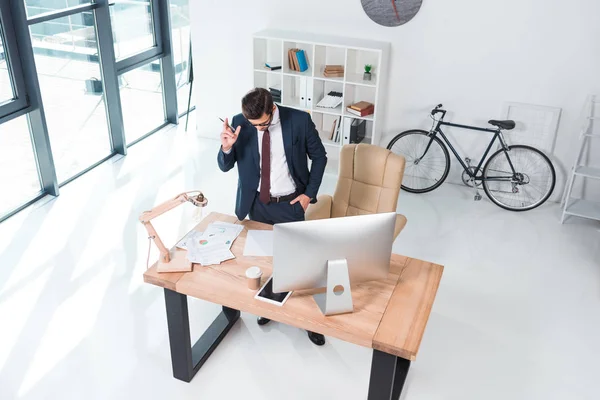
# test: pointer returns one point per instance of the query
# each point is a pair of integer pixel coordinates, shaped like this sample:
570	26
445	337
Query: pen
229	126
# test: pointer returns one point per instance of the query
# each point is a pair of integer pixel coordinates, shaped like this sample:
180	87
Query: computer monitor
332	253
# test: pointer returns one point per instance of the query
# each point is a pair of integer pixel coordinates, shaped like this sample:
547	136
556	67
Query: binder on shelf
346	131
309	95
357	130
303	93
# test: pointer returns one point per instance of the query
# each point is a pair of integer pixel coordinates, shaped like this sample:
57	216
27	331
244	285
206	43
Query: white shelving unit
580	207
304	90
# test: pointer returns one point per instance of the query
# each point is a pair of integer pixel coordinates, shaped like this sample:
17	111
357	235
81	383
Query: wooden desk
389	316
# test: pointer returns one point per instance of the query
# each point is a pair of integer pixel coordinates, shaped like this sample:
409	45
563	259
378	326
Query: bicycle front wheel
427	160
528	187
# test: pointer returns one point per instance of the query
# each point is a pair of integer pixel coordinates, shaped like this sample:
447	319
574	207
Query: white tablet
266	294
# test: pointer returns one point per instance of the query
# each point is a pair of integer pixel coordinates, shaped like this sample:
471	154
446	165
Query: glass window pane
35	7
180	32
18	170
133	31
6	86
141	101
66	57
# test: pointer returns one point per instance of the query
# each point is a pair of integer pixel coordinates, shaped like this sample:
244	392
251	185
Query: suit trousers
276	213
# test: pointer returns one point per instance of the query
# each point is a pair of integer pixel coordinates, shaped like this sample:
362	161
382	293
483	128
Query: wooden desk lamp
171	261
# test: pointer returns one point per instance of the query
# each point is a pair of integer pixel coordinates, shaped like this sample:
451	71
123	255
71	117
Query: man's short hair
257	102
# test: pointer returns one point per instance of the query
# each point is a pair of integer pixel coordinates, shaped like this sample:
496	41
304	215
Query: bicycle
516	178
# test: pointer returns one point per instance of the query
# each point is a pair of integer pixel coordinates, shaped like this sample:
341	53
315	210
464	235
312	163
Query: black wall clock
391	12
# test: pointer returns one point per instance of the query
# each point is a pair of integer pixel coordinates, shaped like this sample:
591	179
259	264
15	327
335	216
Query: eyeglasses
267	123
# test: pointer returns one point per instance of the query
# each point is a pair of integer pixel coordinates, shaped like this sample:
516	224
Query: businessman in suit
271	145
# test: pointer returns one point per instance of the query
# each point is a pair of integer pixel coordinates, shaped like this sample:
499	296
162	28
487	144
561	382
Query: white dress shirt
281	180
282	183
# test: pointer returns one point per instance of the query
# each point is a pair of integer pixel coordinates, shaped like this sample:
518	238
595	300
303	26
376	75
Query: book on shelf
275	91
332	100
362	113
302	62
273	65
333	71
332	133
297	60
361	109
361	105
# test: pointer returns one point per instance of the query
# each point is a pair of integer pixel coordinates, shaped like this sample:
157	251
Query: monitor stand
338	297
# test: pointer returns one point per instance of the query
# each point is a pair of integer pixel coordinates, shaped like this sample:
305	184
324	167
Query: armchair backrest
369	181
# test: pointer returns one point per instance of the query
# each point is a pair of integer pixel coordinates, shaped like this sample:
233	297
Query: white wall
471	55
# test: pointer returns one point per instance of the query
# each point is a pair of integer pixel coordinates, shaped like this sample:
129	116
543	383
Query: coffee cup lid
253	272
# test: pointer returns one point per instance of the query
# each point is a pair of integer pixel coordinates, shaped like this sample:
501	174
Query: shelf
323	78
307	73
266	71
588	172
331	111
357	79
328	142
584	209
320	39
366	117
296	106
312	85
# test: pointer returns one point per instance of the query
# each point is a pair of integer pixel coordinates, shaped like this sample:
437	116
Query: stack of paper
213	245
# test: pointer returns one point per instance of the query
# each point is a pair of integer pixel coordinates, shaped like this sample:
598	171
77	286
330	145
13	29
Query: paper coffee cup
253	275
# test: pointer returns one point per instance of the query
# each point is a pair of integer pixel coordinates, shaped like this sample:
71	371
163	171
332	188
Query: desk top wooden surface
388	315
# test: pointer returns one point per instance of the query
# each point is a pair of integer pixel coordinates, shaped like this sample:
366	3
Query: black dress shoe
316	338
262	321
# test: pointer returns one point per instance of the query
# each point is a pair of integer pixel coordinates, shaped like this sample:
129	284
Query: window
6	87
180	34
18	169
35	7
133	30
60	87
141	101
66	57
12	86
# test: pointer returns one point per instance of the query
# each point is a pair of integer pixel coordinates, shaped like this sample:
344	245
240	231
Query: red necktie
265	169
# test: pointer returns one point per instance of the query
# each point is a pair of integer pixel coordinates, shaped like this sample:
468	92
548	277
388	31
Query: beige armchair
369	182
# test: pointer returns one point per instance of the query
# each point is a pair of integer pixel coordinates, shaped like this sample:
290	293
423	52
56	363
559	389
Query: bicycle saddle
506	124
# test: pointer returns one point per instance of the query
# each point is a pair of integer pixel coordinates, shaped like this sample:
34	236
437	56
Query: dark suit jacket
300	139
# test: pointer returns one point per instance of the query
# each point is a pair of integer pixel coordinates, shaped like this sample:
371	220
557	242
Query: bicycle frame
497	135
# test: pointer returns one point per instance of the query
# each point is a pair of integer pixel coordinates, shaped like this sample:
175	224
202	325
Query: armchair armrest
400	222
321	209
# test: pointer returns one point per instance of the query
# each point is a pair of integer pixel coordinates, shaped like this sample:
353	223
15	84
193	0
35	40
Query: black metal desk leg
187	360
388	374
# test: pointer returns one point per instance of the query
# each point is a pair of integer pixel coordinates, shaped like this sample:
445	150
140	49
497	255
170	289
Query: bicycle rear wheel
423	171
530	185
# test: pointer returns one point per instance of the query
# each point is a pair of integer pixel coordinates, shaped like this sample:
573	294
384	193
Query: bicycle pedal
477	197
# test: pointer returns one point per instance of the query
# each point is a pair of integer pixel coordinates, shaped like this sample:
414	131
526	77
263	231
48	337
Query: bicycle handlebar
438	109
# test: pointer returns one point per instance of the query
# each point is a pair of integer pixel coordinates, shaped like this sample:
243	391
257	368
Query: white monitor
331	253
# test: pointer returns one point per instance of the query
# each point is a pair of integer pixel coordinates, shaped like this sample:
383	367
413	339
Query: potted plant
367	74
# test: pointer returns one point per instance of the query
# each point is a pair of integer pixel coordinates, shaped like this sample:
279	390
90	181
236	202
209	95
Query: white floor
516	316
